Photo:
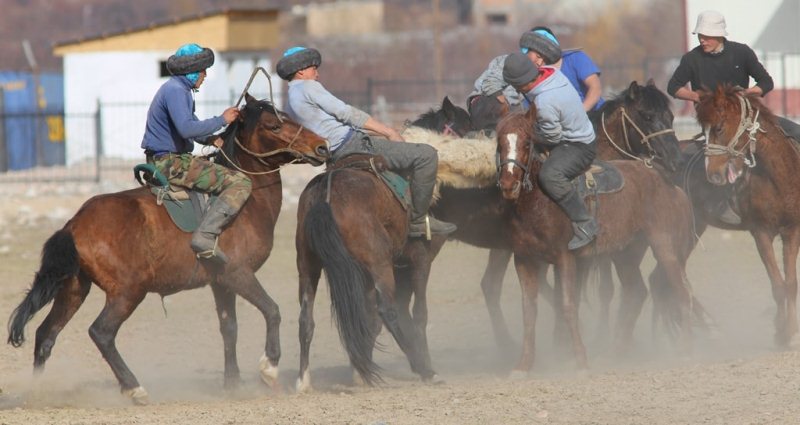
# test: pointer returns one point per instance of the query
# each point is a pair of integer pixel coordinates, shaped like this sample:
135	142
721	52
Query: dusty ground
734	376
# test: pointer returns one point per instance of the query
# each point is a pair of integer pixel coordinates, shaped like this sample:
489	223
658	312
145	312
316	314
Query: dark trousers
418	160
789	127
566	161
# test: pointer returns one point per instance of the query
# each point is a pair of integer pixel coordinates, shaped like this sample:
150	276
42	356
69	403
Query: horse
350	224
648	211
635	124
128	246
448	119
745	148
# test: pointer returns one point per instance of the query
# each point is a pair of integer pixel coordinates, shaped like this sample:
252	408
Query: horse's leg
674	265
225	301
566	271
791	240
767	253
244	283
634	292
492	286
606	293
69	298
403	332
528	274
310	270
103	332
420	272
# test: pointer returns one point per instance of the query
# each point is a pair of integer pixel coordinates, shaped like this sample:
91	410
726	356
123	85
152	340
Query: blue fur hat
296	59
189	60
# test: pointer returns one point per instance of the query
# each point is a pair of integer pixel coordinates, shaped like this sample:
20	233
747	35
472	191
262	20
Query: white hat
710	23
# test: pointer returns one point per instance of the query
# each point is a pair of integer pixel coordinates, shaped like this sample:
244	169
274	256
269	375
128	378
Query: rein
527	184
260	156
648	162
748	122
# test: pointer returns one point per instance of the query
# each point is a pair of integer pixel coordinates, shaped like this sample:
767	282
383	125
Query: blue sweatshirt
171	123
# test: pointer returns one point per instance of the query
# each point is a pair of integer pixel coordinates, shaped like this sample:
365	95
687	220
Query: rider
343	126
168	140
565	129
542	48
717	61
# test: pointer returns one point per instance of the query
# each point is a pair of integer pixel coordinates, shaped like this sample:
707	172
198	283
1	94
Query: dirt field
735	375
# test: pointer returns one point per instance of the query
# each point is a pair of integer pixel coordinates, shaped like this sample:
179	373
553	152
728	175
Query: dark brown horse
351	225
128	246
647	212
746	148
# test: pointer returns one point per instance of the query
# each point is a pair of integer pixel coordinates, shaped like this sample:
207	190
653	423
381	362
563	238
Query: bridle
527	183
626	119
748	122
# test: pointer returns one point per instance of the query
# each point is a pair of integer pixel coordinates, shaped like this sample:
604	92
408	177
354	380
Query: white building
119	74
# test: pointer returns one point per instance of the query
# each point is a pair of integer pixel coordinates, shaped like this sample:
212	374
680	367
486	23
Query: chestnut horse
747	149
647	212
128	246
636	124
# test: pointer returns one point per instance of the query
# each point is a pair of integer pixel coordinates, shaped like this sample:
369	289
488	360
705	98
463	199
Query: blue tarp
34	124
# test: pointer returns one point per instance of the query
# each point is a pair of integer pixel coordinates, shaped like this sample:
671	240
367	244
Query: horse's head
487	112
267	136
645	118
731	121
515	155
449	120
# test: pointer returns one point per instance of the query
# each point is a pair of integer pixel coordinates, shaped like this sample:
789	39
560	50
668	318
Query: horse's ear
447	104
650	82
530	114
248	98
633	90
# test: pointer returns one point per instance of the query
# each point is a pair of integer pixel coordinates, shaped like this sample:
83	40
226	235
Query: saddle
375	164
186	208
602	177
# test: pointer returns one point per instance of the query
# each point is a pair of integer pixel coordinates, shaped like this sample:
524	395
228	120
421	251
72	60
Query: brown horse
647	212
746	148
635	124
351	225
128	246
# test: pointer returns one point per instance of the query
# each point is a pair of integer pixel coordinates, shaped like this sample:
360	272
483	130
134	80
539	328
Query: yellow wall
222	32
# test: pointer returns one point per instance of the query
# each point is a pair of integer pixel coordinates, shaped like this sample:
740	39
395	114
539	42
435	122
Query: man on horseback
542	48
168	140
311	105
717	61
563	127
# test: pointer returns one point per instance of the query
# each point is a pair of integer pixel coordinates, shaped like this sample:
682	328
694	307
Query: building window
496	18
162	69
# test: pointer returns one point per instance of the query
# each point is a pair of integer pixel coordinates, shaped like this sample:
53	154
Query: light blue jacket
318	110
559	110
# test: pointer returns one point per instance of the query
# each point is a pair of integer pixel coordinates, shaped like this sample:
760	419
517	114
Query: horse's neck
779	158
266	198
608	132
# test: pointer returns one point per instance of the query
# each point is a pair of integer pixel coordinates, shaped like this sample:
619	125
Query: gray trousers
418	160
566	161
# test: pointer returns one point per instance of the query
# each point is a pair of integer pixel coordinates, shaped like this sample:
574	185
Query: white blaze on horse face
511	138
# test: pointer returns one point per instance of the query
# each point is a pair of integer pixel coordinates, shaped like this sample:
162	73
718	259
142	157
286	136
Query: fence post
98	147
3	151
784	89
368	105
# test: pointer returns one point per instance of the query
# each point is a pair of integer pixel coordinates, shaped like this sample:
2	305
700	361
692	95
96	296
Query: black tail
59	262
348	282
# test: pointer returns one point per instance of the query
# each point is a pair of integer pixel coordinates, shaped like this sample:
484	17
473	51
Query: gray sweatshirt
318	110
559	110
491	82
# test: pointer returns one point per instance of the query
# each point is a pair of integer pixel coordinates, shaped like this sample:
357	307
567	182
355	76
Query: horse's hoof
269	373
303	385
518	375
434	379
138	395
358	381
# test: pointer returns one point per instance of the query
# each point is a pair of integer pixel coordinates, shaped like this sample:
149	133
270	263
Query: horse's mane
463	163
519	122
712	103
652	99
252	114
427	117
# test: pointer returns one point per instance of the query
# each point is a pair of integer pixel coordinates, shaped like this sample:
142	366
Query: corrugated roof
782	33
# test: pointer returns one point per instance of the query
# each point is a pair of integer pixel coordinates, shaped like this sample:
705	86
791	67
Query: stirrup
213	254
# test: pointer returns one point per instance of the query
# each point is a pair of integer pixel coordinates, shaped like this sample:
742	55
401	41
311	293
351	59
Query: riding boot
725	213
583	224
206	237
421	223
